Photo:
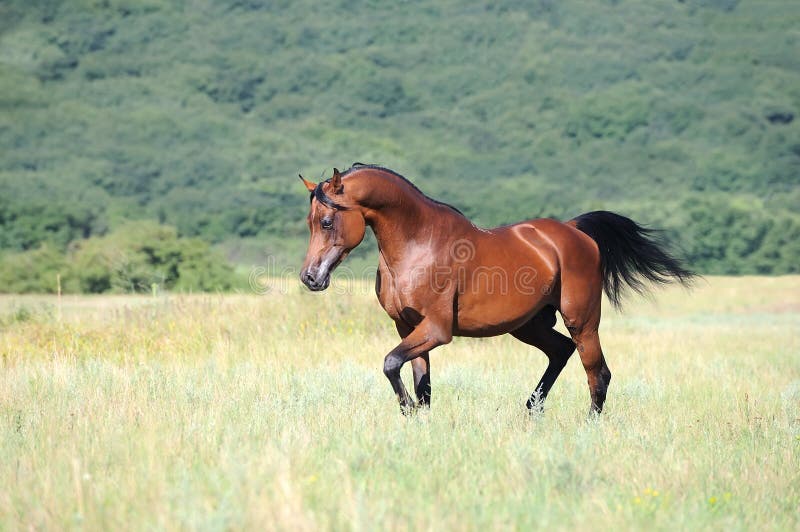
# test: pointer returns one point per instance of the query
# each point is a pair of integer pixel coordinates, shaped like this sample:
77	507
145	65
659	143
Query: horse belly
494	314
489	306
514	279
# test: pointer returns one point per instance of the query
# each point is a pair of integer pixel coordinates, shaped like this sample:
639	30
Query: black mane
359	166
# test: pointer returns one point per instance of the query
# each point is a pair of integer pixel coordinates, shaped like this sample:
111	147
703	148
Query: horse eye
326	223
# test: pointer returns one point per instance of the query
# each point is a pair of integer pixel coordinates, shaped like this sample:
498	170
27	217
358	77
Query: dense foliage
199	114
137	257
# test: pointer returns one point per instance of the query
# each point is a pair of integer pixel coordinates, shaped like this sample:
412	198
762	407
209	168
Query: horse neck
401	216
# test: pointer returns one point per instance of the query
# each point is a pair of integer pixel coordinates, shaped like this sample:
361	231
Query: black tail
630	254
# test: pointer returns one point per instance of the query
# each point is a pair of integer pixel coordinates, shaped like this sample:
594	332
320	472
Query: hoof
409	409
536	409
535	404
594	413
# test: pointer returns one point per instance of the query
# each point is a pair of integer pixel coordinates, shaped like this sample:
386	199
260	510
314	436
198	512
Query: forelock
324	198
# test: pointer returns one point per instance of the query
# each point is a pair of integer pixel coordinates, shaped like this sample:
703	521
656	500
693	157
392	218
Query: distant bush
612	114
736	238
33	271
132	258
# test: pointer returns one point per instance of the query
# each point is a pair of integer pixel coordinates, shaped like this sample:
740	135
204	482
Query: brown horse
440	276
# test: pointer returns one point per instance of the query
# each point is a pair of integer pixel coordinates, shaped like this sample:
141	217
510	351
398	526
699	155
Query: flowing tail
631	254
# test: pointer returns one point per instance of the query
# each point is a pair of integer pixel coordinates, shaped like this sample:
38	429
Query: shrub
131	259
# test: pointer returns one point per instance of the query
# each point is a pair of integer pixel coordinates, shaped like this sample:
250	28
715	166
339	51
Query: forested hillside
199	115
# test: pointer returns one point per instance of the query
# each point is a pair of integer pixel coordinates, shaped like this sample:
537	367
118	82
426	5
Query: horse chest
396	295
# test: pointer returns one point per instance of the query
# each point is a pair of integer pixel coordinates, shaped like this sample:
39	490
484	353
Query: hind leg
583	323
597	372
539	333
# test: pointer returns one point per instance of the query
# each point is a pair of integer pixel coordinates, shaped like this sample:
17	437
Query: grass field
272	412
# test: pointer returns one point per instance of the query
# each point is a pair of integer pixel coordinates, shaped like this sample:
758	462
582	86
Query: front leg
421	367
422	339
422	379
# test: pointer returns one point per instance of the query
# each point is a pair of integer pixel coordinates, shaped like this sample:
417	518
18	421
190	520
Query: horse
440	276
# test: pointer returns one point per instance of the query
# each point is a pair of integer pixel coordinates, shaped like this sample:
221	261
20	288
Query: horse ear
309	185
336	181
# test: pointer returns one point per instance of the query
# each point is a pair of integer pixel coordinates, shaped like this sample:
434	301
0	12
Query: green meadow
271	412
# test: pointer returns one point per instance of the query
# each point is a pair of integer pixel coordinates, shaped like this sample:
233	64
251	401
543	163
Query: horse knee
420	367
392	364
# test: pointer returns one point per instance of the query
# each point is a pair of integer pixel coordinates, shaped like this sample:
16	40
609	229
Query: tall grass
217	412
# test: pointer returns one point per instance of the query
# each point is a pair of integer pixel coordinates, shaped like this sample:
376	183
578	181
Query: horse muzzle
315	281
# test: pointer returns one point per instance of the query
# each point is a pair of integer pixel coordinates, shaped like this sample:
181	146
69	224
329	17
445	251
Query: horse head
336	225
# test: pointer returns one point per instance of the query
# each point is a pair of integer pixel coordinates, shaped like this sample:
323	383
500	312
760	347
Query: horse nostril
309	278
